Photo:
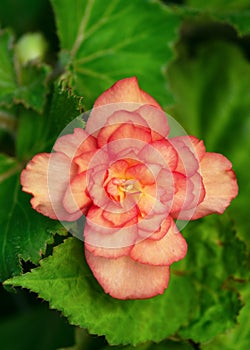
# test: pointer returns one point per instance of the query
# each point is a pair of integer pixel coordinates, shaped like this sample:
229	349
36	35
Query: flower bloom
131	181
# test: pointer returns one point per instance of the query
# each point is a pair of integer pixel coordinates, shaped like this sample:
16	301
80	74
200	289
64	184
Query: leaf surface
103	42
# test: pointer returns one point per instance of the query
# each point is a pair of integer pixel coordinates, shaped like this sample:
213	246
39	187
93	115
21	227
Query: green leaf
66	282
215	256
7	74
165	345
7	120
24	233
20	84
219	5
84	341
37	328
238	337
62	109
103	42
213	103
234	12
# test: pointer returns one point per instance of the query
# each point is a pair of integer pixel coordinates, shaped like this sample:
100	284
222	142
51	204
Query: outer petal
172	247
123	278
103	231
123	95
46	177
74	144
220	184
125	90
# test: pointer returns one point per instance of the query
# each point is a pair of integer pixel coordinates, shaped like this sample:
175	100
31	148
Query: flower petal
74	144
123	278
172	247
123	95
219	182
156	120
131	132
102	231
188	161
46	177
76	197
125	90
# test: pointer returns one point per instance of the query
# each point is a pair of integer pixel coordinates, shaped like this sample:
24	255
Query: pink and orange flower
132	182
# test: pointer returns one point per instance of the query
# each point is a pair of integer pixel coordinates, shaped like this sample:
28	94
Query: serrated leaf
103	42
217	109
237	338
215	256
66	282
27	84
63	108
24	233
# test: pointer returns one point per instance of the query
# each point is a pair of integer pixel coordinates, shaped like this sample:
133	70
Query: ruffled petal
47	177
125	90
123	278
76	197
156	120
115	121
123	95
219	182
131	132
166	151
74	144
102	230
188	160
172	247
189	193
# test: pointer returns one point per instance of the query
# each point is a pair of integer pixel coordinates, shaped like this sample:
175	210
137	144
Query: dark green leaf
219	5
213	103
24	233
20	84
234	12
103	42
215	256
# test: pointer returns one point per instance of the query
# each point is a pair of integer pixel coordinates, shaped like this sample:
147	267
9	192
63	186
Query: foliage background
193	57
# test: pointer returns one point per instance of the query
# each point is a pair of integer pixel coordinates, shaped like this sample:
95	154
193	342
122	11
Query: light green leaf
66	282
20	84
213	103
103	42
165	345
215	256
238	337
24	233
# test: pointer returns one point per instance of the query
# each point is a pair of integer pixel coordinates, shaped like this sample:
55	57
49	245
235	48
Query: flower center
119	188
129	186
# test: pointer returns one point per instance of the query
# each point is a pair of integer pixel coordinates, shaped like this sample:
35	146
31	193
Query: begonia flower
132	182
